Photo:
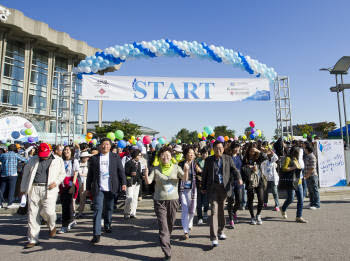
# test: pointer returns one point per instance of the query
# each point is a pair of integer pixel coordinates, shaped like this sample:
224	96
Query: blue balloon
122	144
15	135
252	136
23	132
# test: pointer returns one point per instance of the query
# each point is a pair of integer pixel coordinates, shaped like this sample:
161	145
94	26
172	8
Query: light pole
341	68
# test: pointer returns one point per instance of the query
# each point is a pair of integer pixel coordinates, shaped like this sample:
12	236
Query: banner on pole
164	89
331	163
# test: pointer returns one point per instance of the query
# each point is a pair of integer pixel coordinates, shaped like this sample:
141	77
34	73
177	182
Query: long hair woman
69	189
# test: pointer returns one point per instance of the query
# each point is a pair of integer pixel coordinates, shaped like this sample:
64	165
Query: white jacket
269	169
56	174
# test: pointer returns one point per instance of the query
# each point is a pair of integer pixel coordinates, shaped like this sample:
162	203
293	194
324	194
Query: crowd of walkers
194	178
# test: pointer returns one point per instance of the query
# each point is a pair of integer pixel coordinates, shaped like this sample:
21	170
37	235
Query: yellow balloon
200	135
244	137
132	138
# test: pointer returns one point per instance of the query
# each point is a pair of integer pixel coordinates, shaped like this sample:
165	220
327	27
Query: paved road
325	237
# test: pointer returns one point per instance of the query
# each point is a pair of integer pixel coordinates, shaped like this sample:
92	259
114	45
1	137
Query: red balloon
146	140
252	124
203	138
212	141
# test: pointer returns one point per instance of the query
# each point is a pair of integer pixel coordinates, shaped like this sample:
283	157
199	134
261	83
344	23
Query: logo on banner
101	86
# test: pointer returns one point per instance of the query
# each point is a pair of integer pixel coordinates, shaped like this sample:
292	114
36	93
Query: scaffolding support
283	107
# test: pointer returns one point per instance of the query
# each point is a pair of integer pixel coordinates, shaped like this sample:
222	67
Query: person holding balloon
83	172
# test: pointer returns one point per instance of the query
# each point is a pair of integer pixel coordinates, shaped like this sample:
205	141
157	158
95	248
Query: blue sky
296	38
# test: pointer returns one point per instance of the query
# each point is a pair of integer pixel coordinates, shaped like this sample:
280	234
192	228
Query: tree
129	129
187	136
325	127
224	131
304	129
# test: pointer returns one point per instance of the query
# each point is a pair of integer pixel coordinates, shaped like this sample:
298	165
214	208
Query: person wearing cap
41	177
82	175
178	154
105	177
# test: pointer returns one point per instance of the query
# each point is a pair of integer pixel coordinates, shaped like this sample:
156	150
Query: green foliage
129	129
186	136
325	127
224	131
304	128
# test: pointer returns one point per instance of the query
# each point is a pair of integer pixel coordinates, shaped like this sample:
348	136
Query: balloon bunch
117	54
207	131
253	132
26	132
89	138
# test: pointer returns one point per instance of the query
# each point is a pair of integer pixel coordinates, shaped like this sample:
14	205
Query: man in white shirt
105	176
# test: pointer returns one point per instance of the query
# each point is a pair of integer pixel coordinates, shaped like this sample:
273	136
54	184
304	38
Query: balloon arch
118	54
113	56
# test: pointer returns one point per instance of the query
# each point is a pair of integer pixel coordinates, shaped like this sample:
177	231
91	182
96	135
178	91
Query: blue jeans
11	183
312	184
304	187
202	201
273	188
103	202
290	198
244	197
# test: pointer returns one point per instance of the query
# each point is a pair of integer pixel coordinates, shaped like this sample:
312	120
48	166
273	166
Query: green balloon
305	135
119	134
178	141
28	132
111	136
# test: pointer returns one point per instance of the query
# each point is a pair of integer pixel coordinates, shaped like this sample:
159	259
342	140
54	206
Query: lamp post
341	68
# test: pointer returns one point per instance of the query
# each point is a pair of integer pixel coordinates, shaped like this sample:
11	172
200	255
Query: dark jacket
116	174
132	166
230	173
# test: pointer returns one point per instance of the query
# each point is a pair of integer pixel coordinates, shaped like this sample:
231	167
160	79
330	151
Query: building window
31	101
5	96
38	80
53	104
13	73
14	60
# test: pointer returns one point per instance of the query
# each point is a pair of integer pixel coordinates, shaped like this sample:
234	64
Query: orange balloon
226	138
89	135
50	146
213	134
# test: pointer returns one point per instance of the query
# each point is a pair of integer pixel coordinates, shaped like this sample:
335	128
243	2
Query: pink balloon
28	125
236	138
146	140
231	139
212	141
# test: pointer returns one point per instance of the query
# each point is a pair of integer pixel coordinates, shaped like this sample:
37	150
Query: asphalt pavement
325	237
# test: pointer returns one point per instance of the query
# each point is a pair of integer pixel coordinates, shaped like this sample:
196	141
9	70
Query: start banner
164	89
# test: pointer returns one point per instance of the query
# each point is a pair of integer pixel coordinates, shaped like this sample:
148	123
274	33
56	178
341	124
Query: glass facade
37	102
13	75
47	87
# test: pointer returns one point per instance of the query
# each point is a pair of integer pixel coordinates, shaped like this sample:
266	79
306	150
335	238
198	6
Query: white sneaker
14	205
72	224
284	214
313	208
200	222
258	220
253	221
63	230
222	236
214	243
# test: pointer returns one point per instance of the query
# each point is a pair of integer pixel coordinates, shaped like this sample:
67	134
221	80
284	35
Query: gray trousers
217	196
166	214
